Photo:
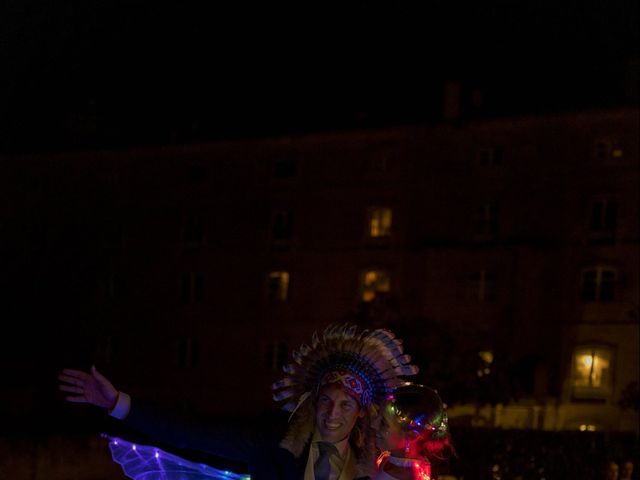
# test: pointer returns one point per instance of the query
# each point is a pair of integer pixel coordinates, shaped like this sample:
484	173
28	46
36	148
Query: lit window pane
380	222
278	286
592	368
374	282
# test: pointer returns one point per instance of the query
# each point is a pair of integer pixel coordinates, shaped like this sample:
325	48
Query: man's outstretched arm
226	440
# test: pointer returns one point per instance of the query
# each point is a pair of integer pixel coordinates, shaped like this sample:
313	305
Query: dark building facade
504	252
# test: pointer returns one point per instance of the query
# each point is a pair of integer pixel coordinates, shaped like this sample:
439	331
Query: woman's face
389	435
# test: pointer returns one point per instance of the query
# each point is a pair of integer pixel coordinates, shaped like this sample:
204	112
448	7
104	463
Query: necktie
322	467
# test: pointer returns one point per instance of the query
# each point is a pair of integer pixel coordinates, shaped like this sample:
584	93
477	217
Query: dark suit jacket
254	443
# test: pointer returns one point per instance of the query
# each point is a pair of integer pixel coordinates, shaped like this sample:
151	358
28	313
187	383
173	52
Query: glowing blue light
145	462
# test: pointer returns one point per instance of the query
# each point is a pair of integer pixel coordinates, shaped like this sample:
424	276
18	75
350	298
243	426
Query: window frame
597	296
282	292
375	292
377	213
595	351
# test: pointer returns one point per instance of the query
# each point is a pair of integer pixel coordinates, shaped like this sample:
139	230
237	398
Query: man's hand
89	387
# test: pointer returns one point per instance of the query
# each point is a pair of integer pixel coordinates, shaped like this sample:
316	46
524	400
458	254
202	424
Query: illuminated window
484	285
490	156
379	222
591	371
604	213
608	148
374	282
192	288
486	219
486	357
282	225
278	286
587	427
598	284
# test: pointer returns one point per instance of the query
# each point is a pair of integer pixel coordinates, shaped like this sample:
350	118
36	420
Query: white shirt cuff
123	405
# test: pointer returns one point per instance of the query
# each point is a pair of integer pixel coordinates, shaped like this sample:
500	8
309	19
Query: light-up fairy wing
146	462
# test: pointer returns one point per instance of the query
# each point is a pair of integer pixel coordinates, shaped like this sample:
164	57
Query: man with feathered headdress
333	389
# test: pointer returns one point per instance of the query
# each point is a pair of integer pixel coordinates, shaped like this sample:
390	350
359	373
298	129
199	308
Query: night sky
91	74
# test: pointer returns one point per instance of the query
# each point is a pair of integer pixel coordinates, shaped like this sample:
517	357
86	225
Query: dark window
486	219
491	156
598	285
484	285
604	214
194	229
285	168
275	355
188	353
282	225
197	173
113	233
192	288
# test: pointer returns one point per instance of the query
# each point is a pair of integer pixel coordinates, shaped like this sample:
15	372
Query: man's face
336	414
627	470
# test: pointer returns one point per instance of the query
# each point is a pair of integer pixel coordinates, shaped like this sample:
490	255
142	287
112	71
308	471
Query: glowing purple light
145	462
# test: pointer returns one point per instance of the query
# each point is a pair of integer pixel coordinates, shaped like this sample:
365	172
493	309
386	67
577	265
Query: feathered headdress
366	364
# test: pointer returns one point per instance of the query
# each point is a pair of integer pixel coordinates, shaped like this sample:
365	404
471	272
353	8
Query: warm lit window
486	219
598	284
484	285
282	225
490	156
379	222
587	427
192	287
278	286
604	213
591	371
486	357
608	148
374	282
